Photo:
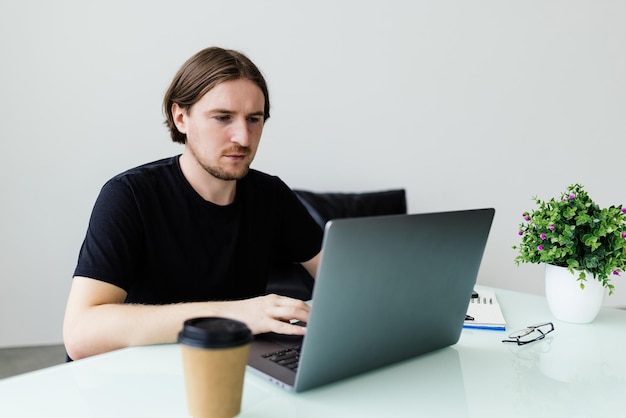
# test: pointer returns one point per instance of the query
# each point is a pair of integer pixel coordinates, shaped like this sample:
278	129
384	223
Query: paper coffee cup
215	353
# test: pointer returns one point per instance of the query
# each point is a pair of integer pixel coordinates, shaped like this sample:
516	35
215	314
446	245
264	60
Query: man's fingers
281	327
270	313
283	310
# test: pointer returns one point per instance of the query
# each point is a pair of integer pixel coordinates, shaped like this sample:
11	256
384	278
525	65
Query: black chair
292	279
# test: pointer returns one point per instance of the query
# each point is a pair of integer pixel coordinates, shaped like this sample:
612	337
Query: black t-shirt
152	235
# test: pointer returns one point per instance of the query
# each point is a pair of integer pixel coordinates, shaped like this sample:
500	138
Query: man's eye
222	118
255	119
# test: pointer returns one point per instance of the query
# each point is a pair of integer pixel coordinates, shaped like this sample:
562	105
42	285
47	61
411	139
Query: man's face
224	128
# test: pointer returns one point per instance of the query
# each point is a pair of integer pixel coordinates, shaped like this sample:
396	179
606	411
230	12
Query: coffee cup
215	353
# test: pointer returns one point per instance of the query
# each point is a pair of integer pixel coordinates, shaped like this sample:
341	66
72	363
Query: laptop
388	288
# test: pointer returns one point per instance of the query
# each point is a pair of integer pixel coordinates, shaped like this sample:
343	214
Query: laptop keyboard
288	357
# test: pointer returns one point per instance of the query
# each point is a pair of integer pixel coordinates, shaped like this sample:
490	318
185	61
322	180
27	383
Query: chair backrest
326	206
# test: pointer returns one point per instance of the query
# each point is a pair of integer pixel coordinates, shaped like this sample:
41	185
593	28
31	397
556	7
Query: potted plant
577	238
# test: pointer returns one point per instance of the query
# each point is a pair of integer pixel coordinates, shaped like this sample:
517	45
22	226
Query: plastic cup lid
214	333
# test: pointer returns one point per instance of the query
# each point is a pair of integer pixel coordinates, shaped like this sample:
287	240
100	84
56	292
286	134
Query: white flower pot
567	301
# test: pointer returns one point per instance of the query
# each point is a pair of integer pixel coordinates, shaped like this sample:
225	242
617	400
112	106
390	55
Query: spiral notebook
485	311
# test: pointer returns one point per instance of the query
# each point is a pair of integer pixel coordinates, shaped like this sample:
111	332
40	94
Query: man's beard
221	174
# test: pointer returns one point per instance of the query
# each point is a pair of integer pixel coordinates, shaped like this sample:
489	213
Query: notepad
486	312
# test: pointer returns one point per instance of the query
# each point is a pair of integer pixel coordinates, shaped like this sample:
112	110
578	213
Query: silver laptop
388	288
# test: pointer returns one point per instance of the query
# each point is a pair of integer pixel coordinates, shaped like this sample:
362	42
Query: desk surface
579	371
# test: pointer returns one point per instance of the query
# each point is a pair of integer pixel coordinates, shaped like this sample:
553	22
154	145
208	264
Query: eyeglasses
530	334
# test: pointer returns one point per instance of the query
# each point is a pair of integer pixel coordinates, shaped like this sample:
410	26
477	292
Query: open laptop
388	288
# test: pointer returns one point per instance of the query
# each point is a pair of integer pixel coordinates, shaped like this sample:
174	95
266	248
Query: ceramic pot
567	301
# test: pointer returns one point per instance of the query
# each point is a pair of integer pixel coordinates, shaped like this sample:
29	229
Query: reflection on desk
579	370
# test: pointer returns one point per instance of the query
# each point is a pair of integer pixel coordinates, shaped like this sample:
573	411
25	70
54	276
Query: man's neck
210	188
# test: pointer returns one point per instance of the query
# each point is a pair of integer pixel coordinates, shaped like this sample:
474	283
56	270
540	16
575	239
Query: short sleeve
113	244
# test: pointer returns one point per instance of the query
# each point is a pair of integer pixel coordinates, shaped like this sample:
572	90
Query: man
193	235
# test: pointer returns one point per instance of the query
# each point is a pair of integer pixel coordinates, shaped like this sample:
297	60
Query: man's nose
241	133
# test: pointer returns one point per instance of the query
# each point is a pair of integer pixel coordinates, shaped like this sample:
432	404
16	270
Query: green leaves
574	232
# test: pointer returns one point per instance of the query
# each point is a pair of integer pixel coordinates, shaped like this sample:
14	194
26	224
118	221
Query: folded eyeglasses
530	334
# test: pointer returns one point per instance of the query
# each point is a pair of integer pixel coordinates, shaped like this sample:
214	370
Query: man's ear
179	115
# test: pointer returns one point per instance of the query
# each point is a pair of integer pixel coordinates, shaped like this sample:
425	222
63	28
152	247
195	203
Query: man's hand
270	313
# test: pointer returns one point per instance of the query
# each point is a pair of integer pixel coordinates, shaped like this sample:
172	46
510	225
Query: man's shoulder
151	178
155	172
153	185
164	166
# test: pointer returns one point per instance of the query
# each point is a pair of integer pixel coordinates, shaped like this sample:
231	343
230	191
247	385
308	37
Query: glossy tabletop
577	371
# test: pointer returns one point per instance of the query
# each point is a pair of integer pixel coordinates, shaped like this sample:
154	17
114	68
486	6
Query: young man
193	235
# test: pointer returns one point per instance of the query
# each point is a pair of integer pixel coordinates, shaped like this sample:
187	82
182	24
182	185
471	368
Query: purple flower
540	247
624	235
542	236
551	227
522	233
572	196
616	272
623	210
526	217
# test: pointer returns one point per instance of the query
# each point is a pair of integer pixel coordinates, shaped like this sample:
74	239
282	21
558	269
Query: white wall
464	103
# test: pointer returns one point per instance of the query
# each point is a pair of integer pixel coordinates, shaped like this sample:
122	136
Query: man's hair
201	73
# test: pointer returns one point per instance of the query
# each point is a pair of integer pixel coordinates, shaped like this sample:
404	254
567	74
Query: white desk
580	371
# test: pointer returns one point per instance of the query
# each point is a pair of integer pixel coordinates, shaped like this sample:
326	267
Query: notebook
485	312
388	288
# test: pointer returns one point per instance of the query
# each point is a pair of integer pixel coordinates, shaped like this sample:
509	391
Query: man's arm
97	320
312	264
